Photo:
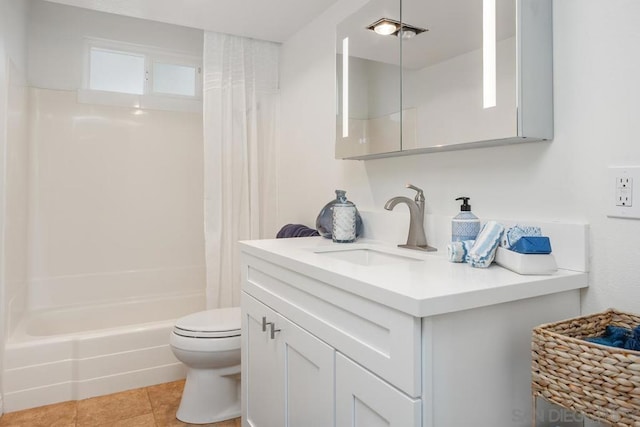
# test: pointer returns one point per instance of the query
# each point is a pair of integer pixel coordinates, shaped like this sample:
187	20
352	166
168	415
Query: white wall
56	40
596	69
307	173
13	160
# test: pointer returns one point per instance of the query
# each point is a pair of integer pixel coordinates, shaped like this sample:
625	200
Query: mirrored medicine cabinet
418	76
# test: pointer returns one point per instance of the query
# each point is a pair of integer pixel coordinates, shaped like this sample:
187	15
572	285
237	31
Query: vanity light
489	53
388	27
345	87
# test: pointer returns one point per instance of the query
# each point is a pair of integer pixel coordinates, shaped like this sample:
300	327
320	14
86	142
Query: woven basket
598	381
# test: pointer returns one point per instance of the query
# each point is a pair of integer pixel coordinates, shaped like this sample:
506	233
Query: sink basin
367	256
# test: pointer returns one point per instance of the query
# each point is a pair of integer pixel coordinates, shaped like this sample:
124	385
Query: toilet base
210	396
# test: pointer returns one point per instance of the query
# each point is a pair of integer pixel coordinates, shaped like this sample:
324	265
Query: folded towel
296	230
484	249
616	336
633	340
515	233
459	251
532	245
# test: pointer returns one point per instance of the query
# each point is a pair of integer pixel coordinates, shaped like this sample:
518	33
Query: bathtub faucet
417	238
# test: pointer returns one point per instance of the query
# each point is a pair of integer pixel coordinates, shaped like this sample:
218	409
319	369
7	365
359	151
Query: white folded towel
484	249
459	251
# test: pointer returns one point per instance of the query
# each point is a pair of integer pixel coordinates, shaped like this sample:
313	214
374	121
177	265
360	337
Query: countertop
428	286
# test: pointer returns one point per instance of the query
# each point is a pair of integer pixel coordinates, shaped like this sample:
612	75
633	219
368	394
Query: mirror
368	73
455	74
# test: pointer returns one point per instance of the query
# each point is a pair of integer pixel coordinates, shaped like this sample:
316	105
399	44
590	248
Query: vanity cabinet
323	333
348	354
290	380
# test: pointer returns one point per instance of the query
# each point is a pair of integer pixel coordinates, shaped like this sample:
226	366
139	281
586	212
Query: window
138	76
174	79
114	71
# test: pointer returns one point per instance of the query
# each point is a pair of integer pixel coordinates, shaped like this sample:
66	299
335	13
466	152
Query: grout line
153	412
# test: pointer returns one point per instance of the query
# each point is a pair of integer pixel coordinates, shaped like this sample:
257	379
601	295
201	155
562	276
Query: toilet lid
217	323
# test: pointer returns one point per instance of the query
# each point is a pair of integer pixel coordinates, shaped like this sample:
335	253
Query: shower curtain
240	130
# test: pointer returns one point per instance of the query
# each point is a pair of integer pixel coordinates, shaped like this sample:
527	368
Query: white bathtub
79	352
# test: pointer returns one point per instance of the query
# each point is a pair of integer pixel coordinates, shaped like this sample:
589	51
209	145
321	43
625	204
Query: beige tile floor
153	406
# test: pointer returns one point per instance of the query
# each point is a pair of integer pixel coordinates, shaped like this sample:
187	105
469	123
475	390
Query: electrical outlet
620	188
624	191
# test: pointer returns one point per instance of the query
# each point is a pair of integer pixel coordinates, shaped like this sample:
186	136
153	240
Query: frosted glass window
173	79
115	71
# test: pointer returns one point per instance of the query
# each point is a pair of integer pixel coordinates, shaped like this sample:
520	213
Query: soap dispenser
465	225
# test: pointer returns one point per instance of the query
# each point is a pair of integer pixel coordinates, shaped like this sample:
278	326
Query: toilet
208	343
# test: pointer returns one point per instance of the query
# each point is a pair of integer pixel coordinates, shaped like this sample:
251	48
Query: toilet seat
217	323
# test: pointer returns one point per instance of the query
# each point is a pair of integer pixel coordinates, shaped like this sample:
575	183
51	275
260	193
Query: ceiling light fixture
385	28
388	27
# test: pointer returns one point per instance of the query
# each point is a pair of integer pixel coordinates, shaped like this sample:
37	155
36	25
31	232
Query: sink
366	256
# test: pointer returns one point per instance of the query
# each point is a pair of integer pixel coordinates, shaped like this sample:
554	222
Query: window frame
149	99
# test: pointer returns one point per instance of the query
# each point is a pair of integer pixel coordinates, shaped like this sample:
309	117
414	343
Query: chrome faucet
417	238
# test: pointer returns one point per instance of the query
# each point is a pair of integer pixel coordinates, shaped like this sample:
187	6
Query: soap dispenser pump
465	225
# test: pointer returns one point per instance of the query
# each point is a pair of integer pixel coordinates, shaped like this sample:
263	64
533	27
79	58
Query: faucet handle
420	195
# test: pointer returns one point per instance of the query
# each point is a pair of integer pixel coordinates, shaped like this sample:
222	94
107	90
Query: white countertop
430	286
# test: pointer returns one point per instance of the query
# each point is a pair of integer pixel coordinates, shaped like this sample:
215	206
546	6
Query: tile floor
153	406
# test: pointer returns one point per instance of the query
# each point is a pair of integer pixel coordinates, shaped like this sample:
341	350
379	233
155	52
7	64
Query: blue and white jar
344	219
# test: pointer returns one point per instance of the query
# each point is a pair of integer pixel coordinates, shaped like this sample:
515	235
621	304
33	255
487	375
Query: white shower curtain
240	130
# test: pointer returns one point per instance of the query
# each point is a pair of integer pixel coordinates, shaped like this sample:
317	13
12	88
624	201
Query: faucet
417	238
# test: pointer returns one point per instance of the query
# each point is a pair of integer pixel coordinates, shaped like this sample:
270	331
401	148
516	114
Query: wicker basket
598	381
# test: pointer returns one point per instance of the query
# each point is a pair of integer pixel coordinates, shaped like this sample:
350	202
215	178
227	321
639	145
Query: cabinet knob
265	323
273	330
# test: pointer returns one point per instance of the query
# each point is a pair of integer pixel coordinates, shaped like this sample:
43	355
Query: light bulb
407	34
385	28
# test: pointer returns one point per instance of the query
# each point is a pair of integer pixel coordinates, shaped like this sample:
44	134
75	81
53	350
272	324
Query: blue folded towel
633	340
459	251
515	233
484	249
532	245
616	336
296	230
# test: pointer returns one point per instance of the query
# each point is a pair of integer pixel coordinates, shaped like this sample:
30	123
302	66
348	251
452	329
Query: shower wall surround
116	201
115	193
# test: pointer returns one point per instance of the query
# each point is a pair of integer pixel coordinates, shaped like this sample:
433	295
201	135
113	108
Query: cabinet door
287	378
309	367
262	368
364	400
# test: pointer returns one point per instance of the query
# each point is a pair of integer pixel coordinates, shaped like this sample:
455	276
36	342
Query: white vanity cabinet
324	333
425	344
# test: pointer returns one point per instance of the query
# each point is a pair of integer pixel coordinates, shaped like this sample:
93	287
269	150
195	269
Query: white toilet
208	343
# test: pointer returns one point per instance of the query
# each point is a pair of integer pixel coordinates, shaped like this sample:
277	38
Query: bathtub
57	355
